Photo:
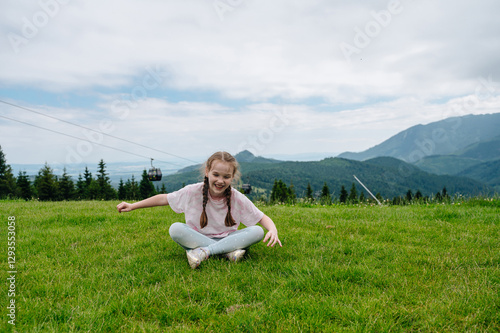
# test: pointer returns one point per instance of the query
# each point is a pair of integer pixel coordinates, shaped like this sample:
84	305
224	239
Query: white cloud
260	50
416	66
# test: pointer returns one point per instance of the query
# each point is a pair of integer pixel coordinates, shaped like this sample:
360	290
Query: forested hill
388	176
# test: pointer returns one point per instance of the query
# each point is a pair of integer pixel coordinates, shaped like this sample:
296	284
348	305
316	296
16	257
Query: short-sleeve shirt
189	200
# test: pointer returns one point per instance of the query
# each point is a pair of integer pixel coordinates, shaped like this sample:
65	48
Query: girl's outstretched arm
272	234
157	200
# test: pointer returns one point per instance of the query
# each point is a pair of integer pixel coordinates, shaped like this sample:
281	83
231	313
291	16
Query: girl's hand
124	207
272	236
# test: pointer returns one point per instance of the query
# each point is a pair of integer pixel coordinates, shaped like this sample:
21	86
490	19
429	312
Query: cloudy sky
85	80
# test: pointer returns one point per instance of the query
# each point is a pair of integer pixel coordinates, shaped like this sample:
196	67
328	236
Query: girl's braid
229	222
203	217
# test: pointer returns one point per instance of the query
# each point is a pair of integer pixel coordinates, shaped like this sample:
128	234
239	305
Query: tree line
47	186
281	193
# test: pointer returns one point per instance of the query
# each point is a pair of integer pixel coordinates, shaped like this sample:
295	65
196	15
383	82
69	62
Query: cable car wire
91	142
93	130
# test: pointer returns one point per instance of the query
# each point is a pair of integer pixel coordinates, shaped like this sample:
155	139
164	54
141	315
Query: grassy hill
82	267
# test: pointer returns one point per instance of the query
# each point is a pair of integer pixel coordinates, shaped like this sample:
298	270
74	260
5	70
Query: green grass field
81	266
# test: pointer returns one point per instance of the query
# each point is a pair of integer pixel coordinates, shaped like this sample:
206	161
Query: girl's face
220	177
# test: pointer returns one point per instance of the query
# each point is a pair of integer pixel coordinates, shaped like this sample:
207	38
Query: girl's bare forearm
268	224
157	200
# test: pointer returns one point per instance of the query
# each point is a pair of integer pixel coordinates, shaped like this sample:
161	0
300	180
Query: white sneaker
196	256
236	255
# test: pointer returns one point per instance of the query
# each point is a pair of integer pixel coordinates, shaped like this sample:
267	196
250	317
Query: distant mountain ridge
463	146
247	157
385	175
445	137
242	157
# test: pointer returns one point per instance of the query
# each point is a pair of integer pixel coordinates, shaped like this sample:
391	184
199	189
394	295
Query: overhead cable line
93	130
91	142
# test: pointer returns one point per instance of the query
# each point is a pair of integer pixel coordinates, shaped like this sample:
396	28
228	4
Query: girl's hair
228	158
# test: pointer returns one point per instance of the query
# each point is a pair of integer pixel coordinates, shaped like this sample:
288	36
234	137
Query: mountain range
469	136
467	146
385	175
459	153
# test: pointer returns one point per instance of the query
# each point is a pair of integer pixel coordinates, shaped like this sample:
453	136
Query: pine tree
353	194
85	186
325	197
280	192
362	197
445	194
291	193
24	186
136	192
274	191
106	191
409	196
93	191
132	189
46	184
3	162
398	201
8	187
81	187
146	187
122	191
418	195
88	176
343	195
284	192
309	192
66	187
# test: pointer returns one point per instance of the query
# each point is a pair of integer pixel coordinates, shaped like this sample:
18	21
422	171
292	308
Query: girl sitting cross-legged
213	211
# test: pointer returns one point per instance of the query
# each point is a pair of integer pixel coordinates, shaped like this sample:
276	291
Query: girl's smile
219	178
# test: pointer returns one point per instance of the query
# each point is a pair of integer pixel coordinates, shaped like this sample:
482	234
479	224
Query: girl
213	212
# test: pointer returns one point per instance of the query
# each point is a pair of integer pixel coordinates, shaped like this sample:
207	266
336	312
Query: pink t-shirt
189	200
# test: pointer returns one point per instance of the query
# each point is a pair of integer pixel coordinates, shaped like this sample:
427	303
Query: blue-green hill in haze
451	136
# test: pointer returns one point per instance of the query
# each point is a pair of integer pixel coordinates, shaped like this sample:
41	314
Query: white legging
241	239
